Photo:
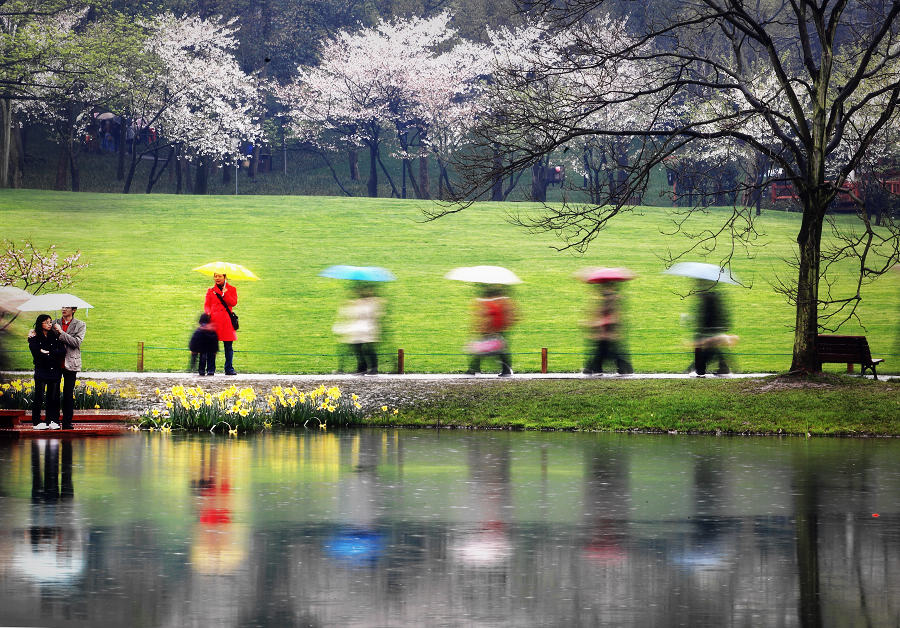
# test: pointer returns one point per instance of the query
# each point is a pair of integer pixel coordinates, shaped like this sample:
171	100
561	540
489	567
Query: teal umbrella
358	273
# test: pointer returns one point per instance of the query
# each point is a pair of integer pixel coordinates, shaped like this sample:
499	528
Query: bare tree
809	86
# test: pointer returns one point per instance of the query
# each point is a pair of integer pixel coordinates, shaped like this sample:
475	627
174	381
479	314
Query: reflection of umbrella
356	545
53	301
358	273
700	270
604	275
233	271
483	274
11	298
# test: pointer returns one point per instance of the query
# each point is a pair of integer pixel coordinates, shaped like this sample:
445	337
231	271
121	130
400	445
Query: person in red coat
221	320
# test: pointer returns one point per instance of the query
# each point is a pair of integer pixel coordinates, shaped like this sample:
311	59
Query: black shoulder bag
234	317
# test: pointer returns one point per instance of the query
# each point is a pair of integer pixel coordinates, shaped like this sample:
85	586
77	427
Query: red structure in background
784	190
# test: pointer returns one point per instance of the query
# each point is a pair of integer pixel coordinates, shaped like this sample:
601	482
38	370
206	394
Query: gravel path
374	391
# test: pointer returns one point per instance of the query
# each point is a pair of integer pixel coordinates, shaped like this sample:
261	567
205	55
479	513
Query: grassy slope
141	250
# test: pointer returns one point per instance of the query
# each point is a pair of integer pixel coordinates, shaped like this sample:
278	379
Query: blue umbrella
358	273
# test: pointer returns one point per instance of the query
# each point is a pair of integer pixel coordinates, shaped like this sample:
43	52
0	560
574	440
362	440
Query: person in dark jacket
712	323
204	345
48	353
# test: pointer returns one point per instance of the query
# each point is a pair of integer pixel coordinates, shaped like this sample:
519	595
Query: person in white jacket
359	326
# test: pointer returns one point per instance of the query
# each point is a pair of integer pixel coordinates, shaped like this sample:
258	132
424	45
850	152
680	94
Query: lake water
449	528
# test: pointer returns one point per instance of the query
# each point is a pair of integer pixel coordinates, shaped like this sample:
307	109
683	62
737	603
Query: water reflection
437	528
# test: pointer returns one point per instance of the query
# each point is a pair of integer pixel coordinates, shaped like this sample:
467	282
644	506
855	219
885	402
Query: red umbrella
605	275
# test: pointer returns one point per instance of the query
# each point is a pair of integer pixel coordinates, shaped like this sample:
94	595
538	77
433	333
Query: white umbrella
483	274
106	115
12	297
54	301
701	270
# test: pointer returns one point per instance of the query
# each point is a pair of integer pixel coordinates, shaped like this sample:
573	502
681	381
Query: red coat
217	312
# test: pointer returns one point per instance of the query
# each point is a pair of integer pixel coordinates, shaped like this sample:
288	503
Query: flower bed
243	410
89	395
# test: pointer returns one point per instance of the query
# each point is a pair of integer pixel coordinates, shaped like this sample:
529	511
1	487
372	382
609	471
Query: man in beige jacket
71	334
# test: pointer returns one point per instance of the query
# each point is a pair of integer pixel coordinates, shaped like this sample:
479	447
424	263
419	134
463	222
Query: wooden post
140	364
849	367
543	359
401	367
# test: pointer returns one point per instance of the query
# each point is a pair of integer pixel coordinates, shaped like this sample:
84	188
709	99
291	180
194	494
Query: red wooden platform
103	423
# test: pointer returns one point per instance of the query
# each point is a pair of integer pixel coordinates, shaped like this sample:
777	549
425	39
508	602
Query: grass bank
141	250
828	406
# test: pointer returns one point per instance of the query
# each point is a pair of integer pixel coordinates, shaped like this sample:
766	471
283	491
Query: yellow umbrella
233	271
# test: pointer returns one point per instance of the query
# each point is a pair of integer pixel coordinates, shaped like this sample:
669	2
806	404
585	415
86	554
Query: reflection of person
712	323
359	325
494	315
220	299
605	332
48	352
204	345
71	334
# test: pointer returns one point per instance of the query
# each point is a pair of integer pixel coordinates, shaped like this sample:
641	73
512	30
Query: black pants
68	398
366	358
705	355
50	389
609	350
207	363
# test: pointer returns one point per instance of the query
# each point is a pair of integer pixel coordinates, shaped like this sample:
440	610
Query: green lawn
141	249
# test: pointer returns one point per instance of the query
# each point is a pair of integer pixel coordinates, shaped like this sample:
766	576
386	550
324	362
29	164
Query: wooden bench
849	349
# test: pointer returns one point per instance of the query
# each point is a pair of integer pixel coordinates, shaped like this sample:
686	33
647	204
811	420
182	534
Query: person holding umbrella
359	325
220	299
605	323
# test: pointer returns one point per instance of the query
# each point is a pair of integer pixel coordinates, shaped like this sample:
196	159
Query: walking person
71	334
712	323
494	316
605	332
359	325
220	299
47	352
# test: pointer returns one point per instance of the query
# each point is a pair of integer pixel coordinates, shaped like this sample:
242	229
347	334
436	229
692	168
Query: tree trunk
372	186
5	140
807	323
353	158
62	177
17	158
424	183
120	167
179	175
226	174
497	187
538	183
201	186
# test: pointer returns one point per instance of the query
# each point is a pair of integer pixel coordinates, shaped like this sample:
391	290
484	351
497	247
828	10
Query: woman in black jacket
48	353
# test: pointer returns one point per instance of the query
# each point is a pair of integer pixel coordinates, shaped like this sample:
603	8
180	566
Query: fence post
140	364
401	367
543	359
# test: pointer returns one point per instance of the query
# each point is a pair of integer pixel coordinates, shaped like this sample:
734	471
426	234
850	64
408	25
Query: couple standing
56	349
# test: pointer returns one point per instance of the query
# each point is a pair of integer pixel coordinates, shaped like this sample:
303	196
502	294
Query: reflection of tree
806	518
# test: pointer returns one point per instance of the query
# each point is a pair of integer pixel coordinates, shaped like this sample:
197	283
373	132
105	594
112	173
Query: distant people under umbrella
712	322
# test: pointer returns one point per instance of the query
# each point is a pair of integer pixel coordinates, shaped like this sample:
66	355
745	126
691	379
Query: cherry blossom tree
33	269
372	84
191	90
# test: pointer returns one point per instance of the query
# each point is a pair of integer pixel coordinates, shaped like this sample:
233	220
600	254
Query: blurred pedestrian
605	331
359	326
712	322
204	345
220	299
495	314
48	353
